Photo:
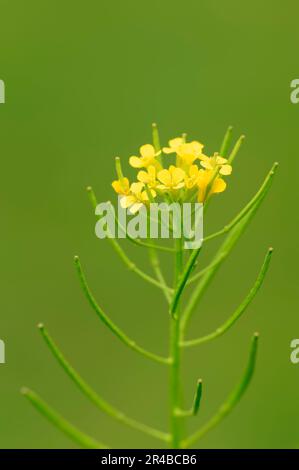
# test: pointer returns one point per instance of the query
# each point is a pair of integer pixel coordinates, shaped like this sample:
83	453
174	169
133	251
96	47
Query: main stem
175	386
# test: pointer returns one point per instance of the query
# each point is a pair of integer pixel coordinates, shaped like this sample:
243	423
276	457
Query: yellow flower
204	179
136	197
121	186
171	179
148	177
192	177
147	158
187	152
174	145
216	162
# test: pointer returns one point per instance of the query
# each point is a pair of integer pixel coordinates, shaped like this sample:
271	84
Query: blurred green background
84	81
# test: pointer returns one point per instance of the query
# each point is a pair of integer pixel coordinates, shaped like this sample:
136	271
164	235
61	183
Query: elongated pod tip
76	258
199	381
88	189
256	335
154	124
40	326
24	390
242	137
271	249
274	167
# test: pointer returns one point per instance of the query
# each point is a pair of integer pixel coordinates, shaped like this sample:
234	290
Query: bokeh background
84	81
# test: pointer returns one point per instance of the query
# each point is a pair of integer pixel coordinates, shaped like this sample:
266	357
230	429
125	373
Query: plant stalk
175	353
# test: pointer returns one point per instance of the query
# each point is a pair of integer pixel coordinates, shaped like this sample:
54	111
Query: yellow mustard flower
187	152
136	197
147	157
121	186
192	177
174	145
171	179
212	163
204	179
148	177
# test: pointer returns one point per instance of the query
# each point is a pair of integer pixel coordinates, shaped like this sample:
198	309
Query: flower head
216	162
171	179
194	174
174	145
148	177
192	177
121	186
147	157
187	152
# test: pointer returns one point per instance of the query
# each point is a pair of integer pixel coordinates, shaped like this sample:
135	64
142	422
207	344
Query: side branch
98	401
59	422
239	311
106	320
196	402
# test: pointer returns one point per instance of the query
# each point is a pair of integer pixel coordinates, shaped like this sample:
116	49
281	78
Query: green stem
236	149
175	352
226	142
182	280
67	428
115	329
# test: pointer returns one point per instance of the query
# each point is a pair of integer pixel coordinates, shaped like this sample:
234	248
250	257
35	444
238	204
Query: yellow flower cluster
193	176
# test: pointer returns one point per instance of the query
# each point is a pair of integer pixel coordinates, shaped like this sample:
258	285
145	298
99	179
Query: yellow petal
121	186
221	160
152	172
147	151
167	150
177	176
207	164
127	201
225	170
117	187
161	187
135	207
219	186
197	146
179	186
136	162
143	176
193	170
173	145
165	177
136	188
